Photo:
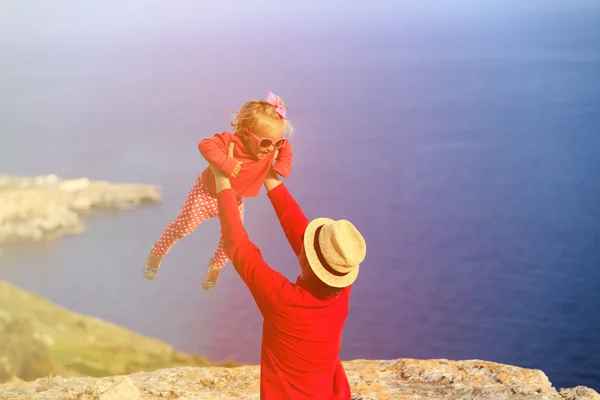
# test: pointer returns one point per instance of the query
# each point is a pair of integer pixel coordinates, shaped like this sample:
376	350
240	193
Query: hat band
322	259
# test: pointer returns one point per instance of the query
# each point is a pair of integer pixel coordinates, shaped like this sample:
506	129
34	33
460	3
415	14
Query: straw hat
334	250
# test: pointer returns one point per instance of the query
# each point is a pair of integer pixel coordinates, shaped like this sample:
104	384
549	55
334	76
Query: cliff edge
39	338
400	379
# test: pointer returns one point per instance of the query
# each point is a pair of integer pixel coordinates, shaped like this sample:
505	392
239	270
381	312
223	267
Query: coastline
45	208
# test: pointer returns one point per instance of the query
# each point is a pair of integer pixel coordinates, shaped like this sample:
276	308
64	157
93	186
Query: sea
466	149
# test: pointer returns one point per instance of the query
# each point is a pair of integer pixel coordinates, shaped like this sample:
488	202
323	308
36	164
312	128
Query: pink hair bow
275	100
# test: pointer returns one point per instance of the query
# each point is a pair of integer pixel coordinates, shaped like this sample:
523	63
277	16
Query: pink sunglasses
265	142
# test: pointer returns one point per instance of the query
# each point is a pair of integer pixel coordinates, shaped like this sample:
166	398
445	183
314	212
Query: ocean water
467	154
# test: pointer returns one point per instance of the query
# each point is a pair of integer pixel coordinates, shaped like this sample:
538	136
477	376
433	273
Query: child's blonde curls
252	114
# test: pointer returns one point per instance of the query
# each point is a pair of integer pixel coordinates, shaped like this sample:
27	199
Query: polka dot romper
198	207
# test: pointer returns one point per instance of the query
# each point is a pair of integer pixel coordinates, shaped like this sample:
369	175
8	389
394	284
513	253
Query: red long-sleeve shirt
253	173
302	335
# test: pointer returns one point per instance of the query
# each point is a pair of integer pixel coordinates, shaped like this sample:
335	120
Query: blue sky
18	17
65	21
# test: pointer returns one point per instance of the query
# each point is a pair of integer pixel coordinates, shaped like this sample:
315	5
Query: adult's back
302	339
303	321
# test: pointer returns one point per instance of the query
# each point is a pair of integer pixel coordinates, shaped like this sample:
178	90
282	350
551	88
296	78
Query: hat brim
315	264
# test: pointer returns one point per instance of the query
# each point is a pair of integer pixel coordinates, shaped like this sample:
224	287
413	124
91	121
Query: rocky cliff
45	207
371	380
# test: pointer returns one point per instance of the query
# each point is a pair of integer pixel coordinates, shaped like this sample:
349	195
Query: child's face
271	131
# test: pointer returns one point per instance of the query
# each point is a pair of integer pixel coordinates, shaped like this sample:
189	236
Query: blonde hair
253	113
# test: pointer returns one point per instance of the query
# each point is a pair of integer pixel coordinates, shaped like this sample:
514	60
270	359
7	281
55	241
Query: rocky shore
400	379
36	209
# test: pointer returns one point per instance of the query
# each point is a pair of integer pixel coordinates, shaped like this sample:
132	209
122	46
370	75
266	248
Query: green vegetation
39	338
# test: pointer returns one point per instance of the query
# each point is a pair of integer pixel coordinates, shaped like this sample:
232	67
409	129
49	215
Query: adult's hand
221	180
272	180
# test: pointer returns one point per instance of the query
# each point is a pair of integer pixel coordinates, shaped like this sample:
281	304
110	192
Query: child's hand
238	167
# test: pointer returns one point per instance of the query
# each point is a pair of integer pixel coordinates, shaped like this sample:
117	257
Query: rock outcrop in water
46	207
370	380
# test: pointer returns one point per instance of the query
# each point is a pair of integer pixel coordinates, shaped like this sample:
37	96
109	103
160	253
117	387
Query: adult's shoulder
347	290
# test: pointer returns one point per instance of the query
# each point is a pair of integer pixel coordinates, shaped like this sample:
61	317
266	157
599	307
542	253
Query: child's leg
196	209
219	259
